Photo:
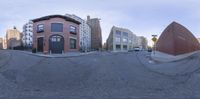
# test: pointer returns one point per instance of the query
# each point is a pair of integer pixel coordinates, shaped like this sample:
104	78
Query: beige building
121	39
1	43
198	39
13	38
4	43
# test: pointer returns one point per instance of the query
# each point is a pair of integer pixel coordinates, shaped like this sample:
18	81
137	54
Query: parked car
136	49
149	50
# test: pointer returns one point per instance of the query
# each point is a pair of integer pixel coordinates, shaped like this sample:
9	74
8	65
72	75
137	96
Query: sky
142	17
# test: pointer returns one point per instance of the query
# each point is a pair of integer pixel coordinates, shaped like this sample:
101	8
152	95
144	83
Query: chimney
14	27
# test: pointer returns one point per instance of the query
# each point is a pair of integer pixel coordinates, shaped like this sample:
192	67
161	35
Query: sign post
154	39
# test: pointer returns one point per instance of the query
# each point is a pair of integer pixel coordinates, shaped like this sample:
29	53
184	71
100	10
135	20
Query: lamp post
154	39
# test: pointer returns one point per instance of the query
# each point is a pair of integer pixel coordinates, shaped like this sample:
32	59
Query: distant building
1	43
55	34
85	33
27	33
142	42
4	43
105	46
121	39
96	36
13	38
198	39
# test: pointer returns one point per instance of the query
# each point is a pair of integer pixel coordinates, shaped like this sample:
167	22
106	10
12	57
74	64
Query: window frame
58	29
125	34
117	39
73	32
118	33
118	47
125	46
125	40
38	28
74	46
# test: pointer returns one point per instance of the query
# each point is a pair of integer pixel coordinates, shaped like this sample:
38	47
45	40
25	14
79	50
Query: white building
85	33
27	33
121	39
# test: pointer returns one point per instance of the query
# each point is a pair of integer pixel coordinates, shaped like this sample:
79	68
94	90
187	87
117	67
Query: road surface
97	76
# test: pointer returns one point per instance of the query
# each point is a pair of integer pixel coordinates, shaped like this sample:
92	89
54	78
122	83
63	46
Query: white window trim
73	37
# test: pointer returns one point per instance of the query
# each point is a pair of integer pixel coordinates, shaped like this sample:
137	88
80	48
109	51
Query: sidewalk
64	55
164	57
181	67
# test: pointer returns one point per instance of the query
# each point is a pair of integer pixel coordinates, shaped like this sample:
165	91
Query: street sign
154	39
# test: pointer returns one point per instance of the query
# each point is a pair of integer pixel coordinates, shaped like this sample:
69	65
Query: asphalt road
97	76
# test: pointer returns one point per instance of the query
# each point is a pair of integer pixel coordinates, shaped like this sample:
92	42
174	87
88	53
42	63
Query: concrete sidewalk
164	57
64	55
181	67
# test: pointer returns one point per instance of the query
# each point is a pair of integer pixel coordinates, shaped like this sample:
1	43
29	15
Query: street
106	75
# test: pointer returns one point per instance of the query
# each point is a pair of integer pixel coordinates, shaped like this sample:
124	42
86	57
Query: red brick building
96	35
55	34
176	40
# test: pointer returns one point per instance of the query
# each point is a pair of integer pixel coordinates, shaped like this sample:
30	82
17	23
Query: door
40	44
56	44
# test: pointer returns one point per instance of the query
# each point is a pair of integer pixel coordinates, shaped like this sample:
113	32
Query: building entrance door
56	44
40	44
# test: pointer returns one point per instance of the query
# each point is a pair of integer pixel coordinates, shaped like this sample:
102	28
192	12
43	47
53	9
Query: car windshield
95	49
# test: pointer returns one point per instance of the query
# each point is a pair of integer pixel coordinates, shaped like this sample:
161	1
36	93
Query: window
118	33
118	47
130	41
125	47
53	39
72	43
56	27
72	29
125	34
56	39
40	28
117	39
125	40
